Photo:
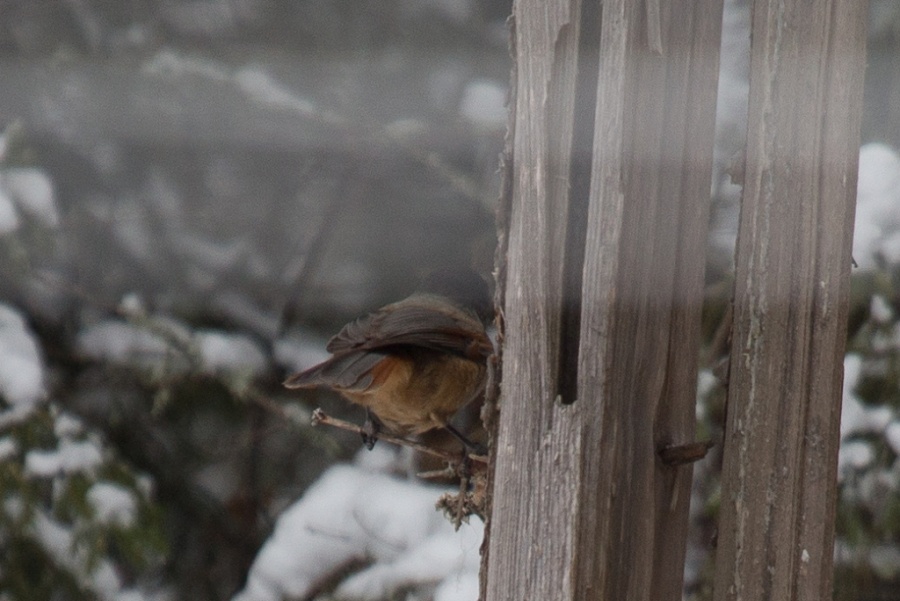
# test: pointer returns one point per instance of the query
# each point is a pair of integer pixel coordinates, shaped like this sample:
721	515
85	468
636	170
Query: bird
414	363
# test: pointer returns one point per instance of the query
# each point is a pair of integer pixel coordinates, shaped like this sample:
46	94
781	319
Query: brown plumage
413	363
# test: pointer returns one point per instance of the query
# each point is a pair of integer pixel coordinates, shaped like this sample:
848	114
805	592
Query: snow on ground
357	515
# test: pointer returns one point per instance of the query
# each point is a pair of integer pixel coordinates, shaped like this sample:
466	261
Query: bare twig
320	417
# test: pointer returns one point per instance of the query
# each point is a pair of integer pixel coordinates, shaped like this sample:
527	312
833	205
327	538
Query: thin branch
320	417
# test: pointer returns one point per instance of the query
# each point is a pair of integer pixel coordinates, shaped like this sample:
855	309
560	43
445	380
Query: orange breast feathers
416	391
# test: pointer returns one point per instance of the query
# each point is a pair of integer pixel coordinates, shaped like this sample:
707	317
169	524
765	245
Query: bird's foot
469	446
370	430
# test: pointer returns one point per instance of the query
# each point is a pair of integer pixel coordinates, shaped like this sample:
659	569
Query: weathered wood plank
536	450
582	506
776	527
643	295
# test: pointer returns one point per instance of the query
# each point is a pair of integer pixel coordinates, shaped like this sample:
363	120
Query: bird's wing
420	320
351	371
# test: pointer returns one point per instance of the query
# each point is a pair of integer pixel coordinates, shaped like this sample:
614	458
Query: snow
132	304
462	587
21	366
168	62
890	249
706	383
856	454
59	542
261	88
33	193
70	457
856	418
121	342
354	514
892	436
297	353
880	310
8	448
112	504
67	426
484	103
877	206
229	352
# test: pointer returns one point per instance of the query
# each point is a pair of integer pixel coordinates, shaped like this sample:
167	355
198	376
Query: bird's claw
369	431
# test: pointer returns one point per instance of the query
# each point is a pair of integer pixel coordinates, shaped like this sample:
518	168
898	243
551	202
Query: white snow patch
460	587
856	418
892	436
229	352
21	367
261	88
8	448
121	342
890	248
880	310
856	454
70	457
32	191
484	103
112	503
299	353
59	542
878	199
67	426
353	514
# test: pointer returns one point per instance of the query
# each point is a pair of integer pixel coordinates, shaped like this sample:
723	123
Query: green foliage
54	534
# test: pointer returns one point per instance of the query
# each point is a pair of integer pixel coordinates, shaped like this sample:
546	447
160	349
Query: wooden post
776	529
603	297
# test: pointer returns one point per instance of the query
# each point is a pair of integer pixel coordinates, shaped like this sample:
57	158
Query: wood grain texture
776	527
582	506
535	453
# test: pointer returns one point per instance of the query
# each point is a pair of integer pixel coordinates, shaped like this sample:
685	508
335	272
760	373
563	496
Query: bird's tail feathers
349	371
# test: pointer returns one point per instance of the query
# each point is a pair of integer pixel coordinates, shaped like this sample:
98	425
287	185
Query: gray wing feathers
349	371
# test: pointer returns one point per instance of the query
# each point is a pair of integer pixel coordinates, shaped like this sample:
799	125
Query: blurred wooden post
607	237
776	529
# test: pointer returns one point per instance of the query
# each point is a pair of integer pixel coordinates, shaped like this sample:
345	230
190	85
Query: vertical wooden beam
643	295
536	448
582	506
776	529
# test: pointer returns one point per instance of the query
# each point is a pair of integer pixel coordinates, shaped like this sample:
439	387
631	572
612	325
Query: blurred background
196	194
